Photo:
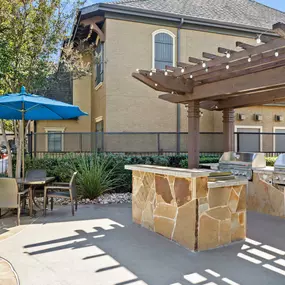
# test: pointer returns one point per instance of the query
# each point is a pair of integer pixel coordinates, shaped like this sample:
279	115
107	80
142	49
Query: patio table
33	183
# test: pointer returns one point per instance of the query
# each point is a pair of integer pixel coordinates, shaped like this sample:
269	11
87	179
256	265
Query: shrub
203	159
105	172
270	161
97	174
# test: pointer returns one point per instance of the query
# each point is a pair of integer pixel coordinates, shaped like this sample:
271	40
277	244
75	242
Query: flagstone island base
264	196
183	206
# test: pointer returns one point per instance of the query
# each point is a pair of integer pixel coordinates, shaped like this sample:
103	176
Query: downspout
178	106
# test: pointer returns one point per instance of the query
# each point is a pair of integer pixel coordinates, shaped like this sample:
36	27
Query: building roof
238	12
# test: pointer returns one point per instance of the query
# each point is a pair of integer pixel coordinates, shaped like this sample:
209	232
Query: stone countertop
177	172
226	183
269	169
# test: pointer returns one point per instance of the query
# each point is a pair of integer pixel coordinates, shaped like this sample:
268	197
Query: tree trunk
10	163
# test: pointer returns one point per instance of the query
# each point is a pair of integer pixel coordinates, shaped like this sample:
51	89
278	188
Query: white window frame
160	31
249	127
274	140
55	129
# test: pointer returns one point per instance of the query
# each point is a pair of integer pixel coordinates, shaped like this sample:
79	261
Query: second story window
99	63
163	51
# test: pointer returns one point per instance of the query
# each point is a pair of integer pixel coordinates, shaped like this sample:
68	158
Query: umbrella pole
23	143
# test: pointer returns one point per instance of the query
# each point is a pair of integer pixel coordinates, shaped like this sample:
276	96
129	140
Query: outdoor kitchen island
185	206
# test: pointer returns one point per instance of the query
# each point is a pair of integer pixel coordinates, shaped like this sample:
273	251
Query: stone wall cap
226	183
173	171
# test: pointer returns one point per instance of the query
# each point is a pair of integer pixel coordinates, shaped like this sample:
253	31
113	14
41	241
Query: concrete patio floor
101	246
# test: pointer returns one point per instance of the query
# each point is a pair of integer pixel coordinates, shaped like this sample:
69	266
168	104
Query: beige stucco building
126	38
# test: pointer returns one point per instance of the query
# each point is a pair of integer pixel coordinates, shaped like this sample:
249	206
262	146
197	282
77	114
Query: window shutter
163	54
100	64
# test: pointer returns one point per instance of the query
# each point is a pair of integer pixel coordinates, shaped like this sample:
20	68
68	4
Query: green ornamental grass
98	173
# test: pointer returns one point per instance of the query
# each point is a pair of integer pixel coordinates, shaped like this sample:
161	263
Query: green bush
203	159
112	164
97	174
270	161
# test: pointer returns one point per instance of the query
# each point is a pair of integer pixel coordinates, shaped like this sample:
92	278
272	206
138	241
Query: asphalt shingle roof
240	12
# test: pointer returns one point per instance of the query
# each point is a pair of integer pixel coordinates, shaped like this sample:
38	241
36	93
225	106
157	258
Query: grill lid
280	163
249	159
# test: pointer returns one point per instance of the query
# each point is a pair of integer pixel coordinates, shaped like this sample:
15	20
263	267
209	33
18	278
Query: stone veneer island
263	196
185	207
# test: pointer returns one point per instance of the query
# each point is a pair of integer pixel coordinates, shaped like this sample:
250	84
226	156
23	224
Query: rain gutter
178	106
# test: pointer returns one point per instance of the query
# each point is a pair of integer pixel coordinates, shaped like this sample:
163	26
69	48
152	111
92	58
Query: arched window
163	49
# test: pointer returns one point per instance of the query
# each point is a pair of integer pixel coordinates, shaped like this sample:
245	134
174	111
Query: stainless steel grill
279	170
242	164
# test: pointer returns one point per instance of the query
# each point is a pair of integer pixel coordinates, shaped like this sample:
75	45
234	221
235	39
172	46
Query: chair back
36	174
72	184
8	193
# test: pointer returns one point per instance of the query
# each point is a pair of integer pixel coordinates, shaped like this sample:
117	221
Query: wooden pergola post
229	129
193	134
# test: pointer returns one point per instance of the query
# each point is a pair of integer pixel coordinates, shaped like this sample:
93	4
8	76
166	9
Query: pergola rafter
210	55
254	75
244	45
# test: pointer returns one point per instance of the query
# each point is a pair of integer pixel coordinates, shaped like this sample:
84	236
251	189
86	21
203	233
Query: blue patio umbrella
24	106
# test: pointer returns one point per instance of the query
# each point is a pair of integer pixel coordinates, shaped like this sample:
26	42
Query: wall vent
241	117
257	117
279	118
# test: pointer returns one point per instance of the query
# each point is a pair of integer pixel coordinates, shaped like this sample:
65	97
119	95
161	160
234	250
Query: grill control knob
276	178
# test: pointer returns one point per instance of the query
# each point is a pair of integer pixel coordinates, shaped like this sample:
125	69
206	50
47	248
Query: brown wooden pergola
253	76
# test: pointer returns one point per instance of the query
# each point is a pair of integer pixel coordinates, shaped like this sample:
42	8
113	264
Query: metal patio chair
10	197
61	190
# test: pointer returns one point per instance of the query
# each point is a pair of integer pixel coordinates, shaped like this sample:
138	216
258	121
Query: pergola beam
195	60
238	64
178	84
272	45
175	98
225	50
252	100
242	67
244	45
248	82
210	55
183	64
149	82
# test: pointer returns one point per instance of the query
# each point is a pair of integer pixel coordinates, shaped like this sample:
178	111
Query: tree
32	33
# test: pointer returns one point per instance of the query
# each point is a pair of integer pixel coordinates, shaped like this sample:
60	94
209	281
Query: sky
277	4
